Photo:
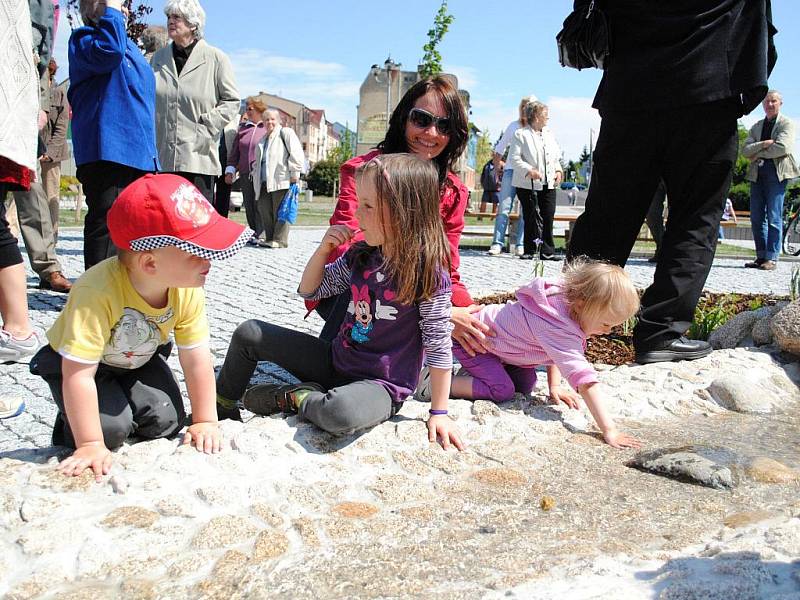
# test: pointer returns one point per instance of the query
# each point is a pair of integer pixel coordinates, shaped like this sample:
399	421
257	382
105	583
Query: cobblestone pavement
261	283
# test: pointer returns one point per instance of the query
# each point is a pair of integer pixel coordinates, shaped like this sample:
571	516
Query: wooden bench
644	233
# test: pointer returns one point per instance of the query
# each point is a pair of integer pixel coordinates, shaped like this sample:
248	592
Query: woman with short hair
278	161
534	156
196	97
112	95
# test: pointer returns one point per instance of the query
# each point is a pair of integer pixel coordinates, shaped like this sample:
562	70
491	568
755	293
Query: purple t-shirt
381	339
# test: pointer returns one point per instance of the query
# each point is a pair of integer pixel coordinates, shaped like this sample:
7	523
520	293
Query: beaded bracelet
436	412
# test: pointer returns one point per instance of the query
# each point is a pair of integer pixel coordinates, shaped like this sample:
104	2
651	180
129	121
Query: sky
319	52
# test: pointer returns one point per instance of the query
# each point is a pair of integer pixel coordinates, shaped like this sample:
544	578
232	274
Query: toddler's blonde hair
594	289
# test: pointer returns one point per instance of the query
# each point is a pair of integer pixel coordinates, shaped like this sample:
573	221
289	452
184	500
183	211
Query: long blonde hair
416	254
595	289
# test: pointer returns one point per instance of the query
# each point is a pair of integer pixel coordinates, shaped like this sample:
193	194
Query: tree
584	156
346	148
136	24
483	151
432	60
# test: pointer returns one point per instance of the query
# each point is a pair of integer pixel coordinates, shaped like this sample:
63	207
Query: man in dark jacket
680	75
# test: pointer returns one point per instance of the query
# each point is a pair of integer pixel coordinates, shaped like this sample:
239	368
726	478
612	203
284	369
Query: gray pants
268	205
145	402
249	205
36	227
347	406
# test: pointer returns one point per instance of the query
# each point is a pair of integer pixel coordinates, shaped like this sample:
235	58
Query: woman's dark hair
395	140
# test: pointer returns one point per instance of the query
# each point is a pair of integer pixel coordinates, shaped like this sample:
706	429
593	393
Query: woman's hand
469	331
229	178
559	177
447	431
534	174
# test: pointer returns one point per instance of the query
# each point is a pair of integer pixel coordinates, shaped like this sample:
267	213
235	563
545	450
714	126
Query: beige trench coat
193	108
282	166
780	152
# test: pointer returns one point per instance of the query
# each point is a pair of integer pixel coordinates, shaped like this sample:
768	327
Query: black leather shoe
550	257
756	264
526	257
679	349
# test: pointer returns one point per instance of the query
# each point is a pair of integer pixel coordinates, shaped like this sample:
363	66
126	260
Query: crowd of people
147	141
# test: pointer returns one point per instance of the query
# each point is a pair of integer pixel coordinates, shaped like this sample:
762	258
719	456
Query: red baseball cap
162	209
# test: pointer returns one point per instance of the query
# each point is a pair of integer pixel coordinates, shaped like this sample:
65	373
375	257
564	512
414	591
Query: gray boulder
731	333
733	392
762	333
702	465
786	328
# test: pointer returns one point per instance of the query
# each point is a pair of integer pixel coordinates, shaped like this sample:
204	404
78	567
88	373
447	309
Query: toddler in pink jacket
548	325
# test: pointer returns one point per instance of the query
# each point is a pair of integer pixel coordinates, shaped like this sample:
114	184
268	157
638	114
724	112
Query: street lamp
389	65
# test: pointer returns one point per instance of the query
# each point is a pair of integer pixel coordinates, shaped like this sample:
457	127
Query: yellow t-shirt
106	320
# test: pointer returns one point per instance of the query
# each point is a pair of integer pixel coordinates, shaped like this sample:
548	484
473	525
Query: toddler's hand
617	439
446	429
563	394
94	456
206	437
335	237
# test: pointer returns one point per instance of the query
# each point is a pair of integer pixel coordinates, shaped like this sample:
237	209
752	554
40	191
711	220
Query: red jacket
454	196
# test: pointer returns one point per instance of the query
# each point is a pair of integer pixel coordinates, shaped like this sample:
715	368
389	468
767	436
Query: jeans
766	211
504	208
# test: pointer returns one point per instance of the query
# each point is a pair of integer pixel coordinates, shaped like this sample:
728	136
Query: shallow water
746	436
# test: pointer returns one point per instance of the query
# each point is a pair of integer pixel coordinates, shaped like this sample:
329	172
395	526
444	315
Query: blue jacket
112	92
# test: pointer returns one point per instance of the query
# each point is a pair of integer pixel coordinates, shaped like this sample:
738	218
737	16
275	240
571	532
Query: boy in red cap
106	363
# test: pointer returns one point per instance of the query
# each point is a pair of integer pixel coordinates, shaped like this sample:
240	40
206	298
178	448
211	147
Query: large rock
735	393
786	328
762	332
734	330
703	465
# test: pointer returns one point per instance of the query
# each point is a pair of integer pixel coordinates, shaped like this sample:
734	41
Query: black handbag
584	40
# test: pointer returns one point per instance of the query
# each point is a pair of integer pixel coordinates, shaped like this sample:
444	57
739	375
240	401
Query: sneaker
13	349
495	249
56	282
268	244
423	391
271	398
252	242
520	250
11	406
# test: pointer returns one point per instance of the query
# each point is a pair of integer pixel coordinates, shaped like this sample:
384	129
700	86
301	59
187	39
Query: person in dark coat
679	76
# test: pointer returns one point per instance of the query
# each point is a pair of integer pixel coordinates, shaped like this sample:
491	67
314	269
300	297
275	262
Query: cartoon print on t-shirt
362	309
134	339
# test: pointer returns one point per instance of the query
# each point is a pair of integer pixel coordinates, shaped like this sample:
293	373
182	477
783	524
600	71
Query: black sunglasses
423	119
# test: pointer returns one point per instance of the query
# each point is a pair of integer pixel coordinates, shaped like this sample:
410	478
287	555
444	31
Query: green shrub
65	183
709	318
740	195
320	179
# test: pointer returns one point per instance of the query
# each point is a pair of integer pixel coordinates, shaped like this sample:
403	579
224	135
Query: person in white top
507	194
534	157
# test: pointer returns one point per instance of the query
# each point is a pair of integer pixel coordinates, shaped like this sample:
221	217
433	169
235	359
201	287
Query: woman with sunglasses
429	121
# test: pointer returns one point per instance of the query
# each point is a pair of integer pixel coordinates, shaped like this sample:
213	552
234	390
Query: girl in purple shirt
548	325
400	305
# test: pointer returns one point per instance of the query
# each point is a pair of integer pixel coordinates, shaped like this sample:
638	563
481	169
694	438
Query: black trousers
145	402
538	211
204	183
693	148
222	196
102	182
9	250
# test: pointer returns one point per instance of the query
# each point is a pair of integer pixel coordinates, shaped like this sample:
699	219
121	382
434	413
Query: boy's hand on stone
93	455
617	439
563	394
205	436
444	427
